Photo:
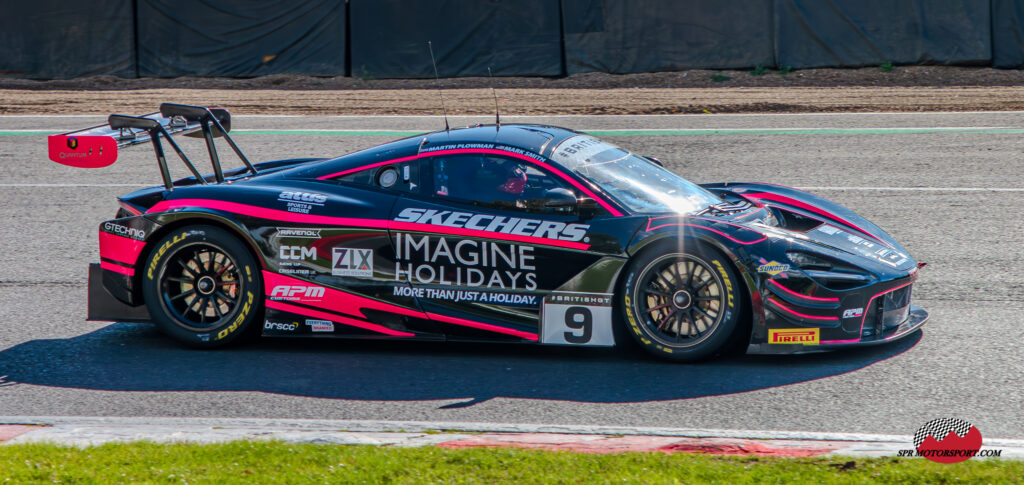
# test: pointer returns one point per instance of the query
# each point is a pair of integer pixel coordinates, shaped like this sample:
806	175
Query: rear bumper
103	306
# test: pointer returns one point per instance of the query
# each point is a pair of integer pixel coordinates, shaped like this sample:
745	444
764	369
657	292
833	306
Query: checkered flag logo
939	428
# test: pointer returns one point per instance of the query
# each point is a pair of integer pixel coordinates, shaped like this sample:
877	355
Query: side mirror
560	200
654	161
587	207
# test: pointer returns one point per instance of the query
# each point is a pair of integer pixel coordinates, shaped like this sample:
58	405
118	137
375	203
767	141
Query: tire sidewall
250	290
633	324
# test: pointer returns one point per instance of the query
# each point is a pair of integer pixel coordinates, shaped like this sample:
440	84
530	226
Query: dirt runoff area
914	88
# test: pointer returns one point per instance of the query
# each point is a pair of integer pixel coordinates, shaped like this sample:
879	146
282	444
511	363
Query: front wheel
202	286
682	305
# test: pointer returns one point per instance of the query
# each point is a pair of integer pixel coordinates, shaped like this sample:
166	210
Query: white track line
693	115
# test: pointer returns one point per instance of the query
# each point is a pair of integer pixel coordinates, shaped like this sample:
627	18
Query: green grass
276	462
886	67
719	77
758	71
784	70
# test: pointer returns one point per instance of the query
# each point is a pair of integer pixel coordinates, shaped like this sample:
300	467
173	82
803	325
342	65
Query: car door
484	244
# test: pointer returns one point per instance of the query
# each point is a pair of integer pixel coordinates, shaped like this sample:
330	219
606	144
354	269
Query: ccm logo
293	291
297	252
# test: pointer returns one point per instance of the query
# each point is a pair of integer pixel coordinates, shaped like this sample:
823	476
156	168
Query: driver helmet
508	176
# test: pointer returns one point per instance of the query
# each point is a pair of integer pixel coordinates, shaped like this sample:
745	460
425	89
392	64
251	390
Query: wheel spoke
668	285
679	326
703	284
694	331
216	307
666	318
657	292
706	314
187	293
230	301
706	298
225	268
210	256
680	283
181	280
184	265
656	308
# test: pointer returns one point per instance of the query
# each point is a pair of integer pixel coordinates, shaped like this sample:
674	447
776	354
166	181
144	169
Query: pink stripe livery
280	215
807	207
801	315
848	341
117	268
120	248
800	295
716	231
276	305
865	317
337	300
482	326
489	151
350	304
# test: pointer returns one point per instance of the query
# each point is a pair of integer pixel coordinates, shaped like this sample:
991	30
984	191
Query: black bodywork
363	246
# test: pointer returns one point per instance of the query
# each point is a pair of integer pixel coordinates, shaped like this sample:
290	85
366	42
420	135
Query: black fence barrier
512	37
629	36
241	38
58	39
855	33
1008	33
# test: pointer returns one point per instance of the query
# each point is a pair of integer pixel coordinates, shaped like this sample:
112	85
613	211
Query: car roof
539	139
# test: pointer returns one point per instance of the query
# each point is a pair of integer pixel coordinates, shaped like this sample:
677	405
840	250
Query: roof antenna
437	81
497	115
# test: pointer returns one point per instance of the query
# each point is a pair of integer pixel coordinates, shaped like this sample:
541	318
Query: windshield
638	183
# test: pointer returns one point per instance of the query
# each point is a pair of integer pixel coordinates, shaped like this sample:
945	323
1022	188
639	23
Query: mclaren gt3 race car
511	233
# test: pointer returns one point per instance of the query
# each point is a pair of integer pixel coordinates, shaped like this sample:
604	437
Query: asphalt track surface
948	186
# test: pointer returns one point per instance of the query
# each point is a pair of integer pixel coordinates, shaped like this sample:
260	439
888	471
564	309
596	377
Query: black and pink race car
509	233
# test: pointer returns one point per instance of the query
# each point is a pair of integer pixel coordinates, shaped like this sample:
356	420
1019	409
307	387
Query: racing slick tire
681	304
202	286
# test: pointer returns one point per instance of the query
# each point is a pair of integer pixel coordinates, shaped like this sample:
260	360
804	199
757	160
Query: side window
494	181
403	176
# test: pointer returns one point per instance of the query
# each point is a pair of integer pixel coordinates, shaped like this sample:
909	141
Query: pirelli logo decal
804	336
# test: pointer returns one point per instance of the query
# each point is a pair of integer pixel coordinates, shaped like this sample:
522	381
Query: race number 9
579	318
576	324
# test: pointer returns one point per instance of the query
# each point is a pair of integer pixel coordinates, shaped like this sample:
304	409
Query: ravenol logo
803	336
772	267
352	262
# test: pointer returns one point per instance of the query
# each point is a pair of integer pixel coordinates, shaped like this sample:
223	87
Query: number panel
569	318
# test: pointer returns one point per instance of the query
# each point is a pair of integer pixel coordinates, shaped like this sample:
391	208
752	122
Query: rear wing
97	146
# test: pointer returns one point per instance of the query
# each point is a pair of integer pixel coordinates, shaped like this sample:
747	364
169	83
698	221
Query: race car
490	233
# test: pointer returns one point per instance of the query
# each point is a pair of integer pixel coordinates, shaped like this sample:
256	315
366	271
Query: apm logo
297	293
352	262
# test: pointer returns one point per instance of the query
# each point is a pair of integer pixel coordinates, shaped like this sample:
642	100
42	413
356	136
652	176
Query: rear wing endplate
97	146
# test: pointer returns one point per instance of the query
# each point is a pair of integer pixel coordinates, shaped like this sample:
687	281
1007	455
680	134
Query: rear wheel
681	306
202	286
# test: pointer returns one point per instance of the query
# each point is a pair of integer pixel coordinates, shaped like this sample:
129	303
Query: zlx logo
352	262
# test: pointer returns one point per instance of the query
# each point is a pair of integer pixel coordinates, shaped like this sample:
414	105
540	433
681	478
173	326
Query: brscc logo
947	440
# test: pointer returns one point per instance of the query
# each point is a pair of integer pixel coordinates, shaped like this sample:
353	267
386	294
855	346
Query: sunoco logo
772	267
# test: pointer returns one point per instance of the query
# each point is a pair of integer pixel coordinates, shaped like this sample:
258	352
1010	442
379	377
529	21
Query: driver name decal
491	223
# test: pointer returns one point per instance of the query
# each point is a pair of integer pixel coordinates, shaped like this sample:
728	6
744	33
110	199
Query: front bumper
916	319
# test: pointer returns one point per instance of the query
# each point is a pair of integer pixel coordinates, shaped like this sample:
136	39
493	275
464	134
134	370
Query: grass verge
276	462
